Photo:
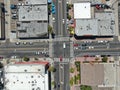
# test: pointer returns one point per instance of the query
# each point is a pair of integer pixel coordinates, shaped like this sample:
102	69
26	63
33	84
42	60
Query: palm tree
26	59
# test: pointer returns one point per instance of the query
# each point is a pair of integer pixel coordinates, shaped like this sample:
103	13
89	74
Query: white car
91	47
100	41
24	43
63	20
53	19
37	52
17	43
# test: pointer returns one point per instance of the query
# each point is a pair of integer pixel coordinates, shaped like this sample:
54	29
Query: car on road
13	11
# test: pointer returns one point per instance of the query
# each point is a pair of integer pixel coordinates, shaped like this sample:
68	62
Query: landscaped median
85	87
75	73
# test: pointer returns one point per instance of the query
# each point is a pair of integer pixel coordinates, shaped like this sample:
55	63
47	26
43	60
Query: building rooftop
100	25
33	62
32	29
33	13
92	1
86	27
85	8
36	1
106	23
26	76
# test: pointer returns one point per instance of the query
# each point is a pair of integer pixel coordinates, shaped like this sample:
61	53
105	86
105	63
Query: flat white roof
82	10
28	81
33	13
26	77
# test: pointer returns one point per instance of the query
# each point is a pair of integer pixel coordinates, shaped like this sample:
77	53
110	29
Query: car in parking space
100	41
13	11
17	43
91	47
53	9
31	43
63	20
12	6
53	19
75	45
25	43
1	57
14	17
37	52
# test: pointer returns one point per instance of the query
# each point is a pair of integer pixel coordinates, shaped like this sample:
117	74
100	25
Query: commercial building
82	10
32	19
27	76
93	1
33	13
93	20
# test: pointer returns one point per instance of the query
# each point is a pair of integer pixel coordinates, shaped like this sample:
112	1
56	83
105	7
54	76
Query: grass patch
77	64
72	70
85	87
71	81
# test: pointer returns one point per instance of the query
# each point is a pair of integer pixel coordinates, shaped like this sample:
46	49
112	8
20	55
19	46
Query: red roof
33	62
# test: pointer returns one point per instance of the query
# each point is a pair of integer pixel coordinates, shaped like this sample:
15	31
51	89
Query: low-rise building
27	76
32	19
93	20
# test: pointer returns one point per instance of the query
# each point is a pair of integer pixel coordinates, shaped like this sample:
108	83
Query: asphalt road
62	76
60	50
61	47
11	49
56	78
66	77
97	52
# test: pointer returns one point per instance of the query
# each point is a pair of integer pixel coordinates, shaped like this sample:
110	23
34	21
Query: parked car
31	43
53	9
14	17
12	6
24	43
17	43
